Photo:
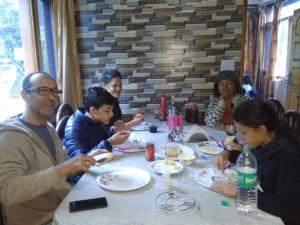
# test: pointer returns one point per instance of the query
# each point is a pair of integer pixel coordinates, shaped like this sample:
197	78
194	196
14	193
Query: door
293	90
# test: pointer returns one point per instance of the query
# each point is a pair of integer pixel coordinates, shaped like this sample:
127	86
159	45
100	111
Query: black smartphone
87	204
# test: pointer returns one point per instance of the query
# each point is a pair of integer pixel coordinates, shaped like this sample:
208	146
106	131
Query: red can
150	151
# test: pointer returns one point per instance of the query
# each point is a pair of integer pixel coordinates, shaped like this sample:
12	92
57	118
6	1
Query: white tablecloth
138	207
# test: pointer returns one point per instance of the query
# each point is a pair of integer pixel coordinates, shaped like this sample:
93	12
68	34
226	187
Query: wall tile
160	46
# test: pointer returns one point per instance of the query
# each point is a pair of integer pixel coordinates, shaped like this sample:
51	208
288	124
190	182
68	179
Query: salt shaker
166	180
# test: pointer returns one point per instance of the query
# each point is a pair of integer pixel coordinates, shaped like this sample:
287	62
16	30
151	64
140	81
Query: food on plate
229	140
169	162
209	149
103	158
173	150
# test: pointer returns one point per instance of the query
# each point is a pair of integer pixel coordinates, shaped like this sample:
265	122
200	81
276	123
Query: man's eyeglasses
44	91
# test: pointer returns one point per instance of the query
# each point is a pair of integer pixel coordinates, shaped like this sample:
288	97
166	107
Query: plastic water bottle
246	201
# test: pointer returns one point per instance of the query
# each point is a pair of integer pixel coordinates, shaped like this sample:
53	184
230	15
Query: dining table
142	205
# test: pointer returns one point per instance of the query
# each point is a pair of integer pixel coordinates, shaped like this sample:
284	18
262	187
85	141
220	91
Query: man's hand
221	160
75	164
119	137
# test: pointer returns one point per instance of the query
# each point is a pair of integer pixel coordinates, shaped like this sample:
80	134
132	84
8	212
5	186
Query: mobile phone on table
87	204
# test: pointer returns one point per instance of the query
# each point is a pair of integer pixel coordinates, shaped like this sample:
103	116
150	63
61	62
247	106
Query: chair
291	119
2	216
60	126
276	105
63	110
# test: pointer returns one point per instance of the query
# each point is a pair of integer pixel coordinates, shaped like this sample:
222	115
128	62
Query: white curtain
68	71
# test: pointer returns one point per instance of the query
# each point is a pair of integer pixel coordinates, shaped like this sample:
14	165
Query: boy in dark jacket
85	130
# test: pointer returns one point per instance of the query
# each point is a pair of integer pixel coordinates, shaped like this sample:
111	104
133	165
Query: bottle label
247	180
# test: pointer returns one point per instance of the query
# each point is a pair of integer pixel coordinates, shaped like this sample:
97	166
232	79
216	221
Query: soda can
150	151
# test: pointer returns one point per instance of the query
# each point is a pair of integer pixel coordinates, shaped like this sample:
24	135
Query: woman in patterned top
228	94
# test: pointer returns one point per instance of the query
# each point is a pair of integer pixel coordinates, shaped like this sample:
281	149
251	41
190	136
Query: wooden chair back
276	105
60	126
292	120
63	110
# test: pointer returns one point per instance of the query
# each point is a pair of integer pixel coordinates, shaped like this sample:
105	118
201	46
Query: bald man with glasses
33	165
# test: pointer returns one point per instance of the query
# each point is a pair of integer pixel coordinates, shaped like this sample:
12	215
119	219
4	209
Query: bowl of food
187	159
172	150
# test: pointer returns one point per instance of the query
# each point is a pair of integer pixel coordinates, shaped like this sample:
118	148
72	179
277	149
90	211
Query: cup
187	160
172	150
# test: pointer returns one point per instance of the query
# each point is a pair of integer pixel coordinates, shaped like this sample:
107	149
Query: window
268	43
284	36
282	49
268	30
13	61
47	57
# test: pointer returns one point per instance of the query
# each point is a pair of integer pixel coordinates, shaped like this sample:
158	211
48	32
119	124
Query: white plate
166	166
123	179
142	126
131	146
204	176
160	152
209	147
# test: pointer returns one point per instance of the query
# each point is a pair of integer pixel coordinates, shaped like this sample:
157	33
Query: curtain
67	65
258	74
28	35
268	90
251	40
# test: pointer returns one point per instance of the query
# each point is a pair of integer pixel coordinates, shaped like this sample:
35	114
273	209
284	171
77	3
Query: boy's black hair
97	97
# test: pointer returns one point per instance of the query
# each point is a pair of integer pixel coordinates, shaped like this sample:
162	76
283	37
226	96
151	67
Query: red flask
162	108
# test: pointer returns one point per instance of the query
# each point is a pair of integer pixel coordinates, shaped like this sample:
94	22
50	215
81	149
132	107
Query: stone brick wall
173	47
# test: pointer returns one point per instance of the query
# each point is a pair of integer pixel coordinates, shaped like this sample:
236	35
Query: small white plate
142	126
131	146
209	147
204	176
123	179
166	166
185	150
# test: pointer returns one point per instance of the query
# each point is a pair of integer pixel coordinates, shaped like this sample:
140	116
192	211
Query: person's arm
119	137
137	119
225	188
220	161
284	196
214	113
18	157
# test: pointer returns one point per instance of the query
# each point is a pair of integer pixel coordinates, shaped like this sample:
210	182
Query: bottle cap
224	203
